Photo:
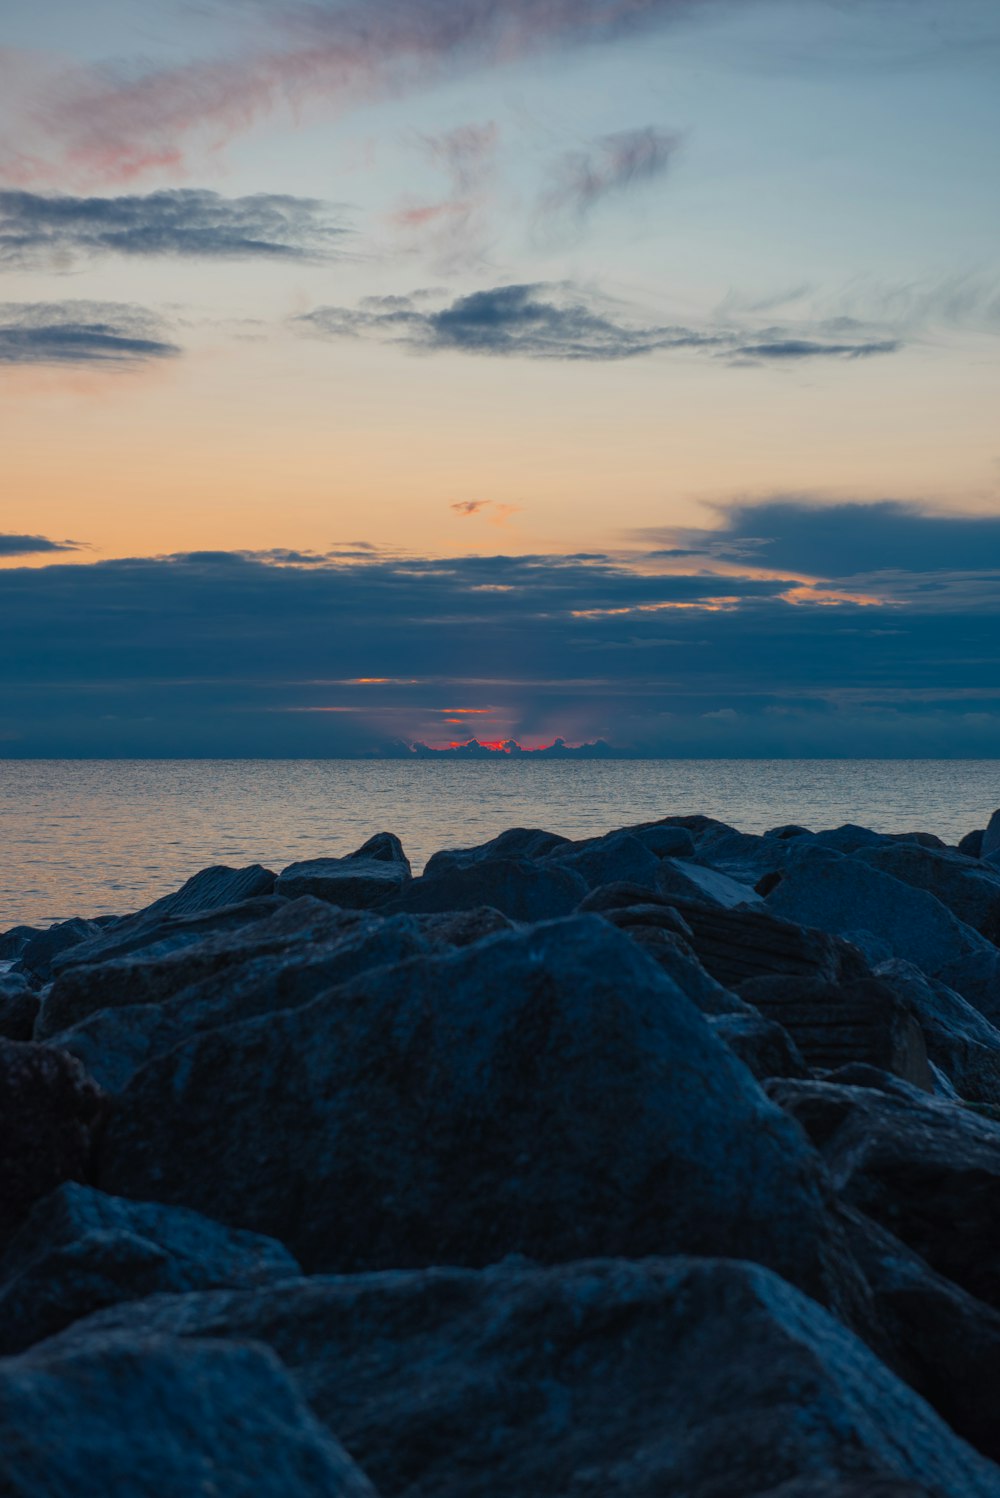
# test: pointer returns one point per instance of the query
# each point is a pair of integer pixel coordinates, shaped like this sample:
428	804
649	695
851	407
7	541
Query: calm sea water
94	837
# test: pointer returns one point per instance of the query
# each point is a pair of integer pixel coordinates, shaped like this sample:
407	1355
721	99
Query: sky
380	373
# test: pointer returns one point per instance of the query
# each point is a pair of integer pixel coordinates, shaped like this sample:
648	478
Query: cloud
851	540
470	506
116	121
455	229
614	164
237	654
43	229
559	321
24	546
92	333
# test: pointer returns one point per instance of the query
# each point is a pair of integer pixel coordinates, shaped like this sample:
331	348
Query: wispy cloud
94	333
560	321
490	509
55	229
116	121
616	163
27	546
454	228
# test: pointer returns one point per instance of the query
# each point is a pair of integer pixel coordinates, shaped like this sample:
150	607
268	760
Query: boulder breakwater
664	1164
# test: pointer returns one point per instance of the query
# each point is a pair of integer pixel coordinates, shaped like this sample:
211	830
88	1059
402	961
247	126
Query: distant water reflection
92	837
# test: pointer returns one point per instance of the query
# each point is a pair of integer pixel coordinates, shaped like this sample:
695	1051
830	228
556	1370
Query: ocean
98	837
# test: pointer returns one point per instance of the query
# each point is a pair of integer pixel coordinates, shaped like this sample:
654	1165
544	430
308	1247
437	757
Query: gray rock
841	894
48	1109
619	858
522	889
38	955
79	1251
163	1419
547	1092
740	944
115	1042
991	837
669	1378
692	881
763	1046
19	1006
972	843
665	841
947	1342
971	892
916	1165
516	843
833	1023
14	941
959	1039
660	931
215	899
361	880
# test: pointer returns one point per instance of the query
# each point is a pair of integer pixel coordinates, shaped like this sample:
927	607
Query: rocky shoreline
662	1164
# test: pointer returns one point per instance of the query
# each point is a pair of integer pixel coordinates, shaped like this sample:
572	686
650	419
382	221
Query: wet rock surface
663	1162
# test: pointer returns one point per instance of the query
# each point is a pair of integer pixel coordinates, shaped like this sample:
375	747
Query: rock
115	1042
972	843
916	1165
18	1009
14	941
991	837
842	894
847	839
274	928
515	843
38	954
740	944
216	899
619	858
948	1342
959	1039
462	928
547	1092
763	1046
693	882
672	1378
363	879
522	889
48	1110
832	1023
624	896
164	1419
79	1251
971	892
658	930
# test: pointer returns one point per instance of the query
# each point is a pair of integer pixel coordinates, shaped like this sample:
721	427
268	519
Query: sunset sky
381	371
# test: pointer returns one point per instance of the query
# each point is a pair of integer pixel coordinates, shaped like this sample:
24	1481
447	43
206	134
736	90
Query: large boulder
832	1024
116	1041
740	944
658	1379
49	1107
844	895
959	1039
946	1342
40	953
522	889
14	940
693	881
547	1092
79	1251
990	845
926	1170
19	1007
216	899
163	1419
970	891
365	878
516	842
620	857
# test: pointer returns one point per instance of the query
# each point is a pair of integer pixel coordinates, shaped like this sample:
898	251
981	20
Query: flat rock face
971	892
929	1172
660	1379
363	879
836	1023
169	1418
959	1039
694	882
167	923
40	952
522	889
49	1108
548	1092
79	1251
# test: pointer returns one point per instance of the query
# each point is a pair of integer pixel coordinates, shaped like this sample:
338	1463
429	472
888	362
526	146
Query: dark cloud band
45	229
87	333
